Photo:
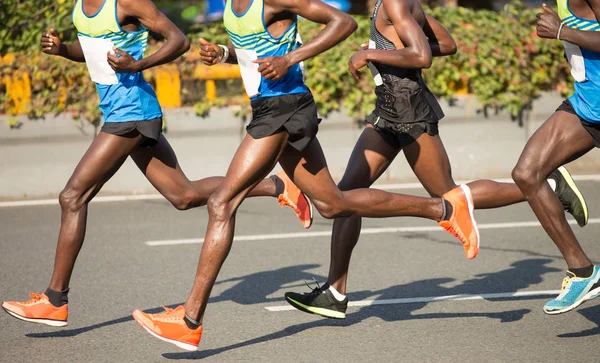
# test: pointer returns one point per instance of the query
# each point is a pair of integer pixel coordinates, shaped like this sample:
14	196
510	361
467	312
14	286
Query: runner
572	131
403	40
284	126
132	127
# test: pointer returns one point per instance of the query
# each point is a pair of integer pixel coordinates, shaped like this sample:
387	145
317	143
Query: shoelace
168	315
452	229
285	201
314	291
35	298
565	282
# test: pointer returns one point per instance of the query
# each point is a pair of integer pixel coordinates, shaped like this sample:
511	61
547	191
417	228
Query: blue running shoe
575	291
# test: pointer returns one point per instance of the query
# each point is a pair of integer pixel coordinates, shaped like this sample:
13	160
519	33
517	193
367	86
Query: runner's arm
440	40
548	24
416	53
147	13
585	39
212	53
338	26
51	44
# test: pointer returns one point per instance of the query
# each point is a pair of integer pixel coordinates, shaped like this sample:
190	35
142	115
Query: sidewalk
38	159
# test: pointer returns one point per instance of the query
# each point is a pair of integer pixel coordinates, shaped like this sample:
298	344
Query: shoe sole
565	173
467	191
49	322
184	346
592	294
318	311
310	210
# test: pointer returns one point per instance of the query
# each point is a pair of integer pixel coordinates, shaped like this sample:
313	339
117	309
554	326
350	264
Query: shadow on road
592	314
256	289
520	275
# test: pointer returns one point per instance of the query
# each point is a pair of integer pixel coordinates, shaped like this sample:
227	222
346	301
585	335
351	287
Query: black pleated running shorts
150	129
400	134
405	109
592	128
296	114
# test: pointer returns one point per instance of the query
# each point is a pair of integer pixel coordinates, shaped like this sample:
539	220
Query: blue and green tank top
252	40
123	96
585	66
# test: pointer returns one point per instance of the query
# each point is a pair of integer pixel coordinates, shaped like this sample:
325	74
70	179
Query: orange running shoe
38	310
462	223
170	327
298	201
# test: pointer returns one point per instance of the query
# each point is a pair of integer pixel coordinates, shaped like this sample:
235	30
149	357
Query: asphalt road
118	272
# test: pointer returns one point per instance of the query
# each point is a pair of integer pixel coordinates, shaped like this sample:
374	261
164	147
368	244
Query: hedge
500	61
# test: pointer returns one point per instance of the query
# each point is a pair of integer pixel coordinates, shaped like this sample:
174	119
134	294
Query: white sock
336	294
552	183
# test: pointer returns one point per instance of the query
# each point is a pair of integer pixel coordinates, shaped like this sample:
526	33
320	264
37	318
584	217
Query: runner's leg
159	164
371	156
559	140
104	157
254	159
429	161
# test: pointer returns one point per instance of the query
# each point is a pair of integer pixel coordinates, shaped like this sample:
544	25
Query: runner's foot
38	310
294	198
319	301
170	327
575	291
462	222
570	196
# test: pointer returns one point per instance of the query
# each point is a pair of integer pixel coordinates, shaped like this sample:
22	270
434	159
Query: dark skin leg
253	160
561	139
159	164
308	170
104	157
371	156
429	161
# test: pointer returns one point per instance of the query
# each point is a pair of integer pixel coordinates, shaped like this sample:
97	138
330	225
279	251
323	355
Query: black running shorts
296	114
592	128
400	134
150	129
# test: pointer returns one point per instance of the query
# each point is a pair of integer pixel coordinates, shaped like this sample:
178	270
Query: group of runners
265	42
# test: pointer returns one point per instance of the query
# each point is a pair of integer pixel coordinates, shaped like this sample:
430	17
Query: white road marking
264	237
412	300
125	198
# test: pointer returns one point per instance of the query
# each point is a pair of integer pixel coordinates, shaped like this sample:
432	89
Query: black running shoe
570	196
319	301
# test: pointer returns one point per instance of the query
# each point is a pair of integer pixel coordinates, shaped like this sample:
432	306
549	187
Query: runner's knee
71	198
526	174
184	200
331	209
220	208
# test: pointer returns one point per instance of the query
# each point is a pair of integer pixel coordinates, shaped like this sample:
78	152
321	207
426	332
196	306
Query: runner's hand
273	68
548	23
210	53
356	62
122	62
50	42
365	45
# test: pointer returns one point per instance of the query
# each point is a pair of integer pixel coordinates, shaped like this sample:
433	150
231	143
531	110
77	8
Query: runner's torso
394	85
585	64
129	97
252	40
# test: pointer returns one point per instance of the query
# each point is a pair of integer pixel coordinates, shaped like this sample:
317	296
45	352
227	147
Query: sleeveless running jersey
124	96
252	40
399	88
585	66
